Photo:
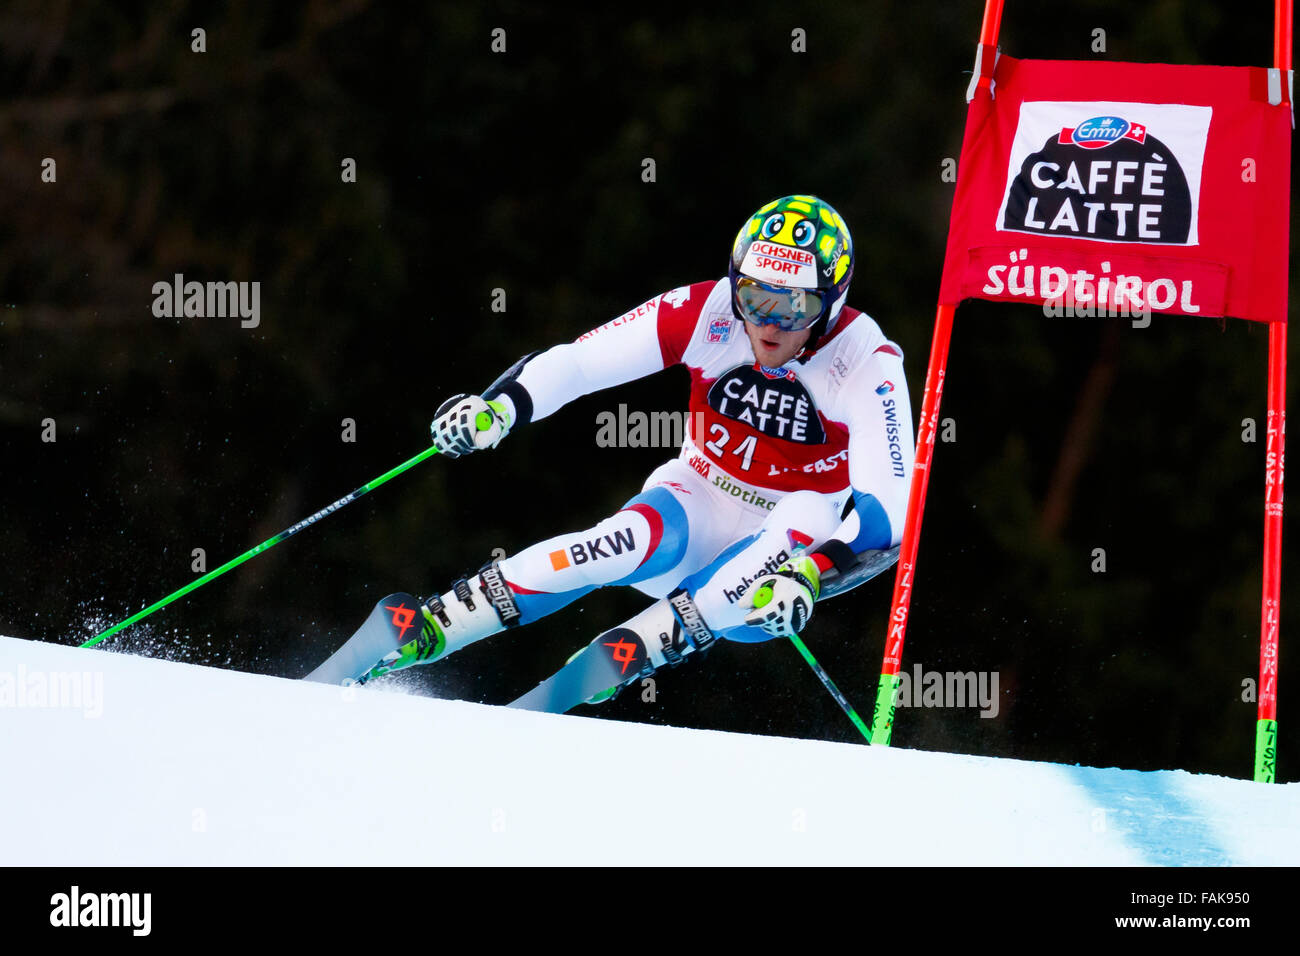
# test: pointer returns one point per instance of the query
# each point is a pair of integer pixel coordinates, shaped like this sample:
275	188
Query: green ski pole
830	686
484	421
761	598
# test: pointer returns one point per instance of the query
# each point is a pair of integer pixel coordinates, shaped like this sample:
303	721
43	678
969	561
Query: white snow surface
172	763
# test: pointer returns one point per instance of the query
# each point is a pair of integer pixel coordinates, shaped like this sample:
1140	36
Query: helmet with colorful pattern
791	265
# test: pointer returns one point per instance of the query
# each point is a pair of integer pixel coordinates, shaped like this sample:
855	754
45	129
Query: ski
395	630
613	660
397	633
870	564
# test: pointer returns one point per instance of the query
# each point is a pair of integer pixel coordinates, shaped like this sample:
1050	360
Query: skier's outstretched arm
642	341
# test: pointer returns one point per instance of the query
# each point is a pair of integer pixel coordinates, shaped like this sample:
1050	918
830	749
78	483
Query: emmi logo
103	909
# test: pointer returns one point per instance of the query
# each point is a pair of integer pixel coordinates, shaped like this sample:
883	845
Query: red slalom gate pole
1274	463
993	23
1270	608
882	719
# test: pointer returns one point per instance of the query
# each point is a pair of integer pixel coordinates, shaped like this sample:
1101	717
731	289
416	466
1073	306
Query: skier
798	406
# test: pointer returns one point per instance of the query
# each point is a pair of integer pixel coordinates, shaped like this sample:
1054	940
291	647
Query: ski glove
783	603
466	423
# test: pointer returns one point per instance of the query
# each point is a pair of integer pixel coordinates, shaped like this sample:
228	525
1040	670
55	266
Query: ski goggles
788	309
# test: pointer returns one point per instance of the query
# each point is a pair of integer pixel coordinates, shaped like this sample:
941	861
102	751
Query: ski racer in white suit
798	406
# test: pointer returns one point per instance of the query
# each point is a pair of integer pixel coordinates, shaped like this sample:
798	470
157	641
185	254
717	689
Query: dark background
523	171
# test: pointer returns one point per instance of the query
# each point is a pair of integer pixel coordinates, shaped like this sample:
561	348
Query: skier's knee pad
808	513
669	531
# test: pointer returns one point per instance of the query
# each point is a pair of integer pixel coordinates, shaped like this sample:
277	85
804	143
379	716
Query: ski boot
663	634
475	607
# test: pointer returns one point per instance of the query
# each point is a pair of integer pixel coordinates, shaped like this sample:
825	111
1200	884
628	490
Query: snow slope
167	763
